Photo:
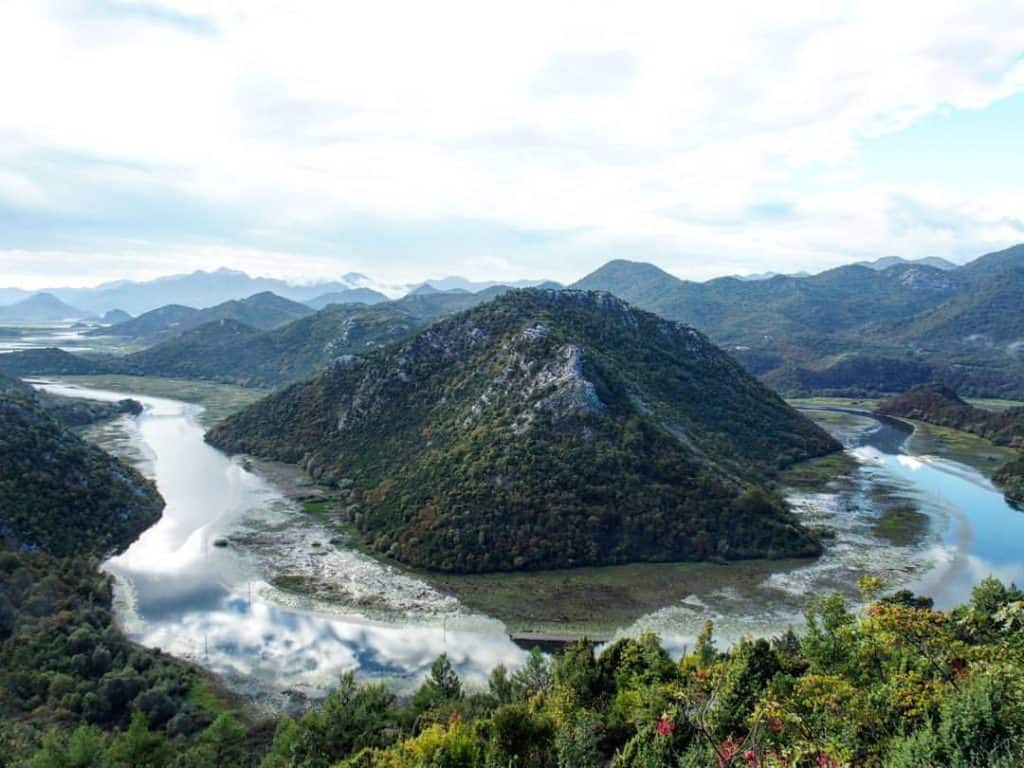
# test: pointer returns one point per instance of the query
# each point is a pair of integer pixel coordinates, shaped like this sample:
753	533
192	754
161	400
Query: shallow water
180	592
63	335
215	605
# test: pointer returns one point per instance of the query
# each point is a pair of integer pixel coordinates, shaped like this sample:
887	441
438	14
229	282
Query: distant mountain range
349	296
895	261
41	308
857	329
207	289
880	264
854	329
261	311
217	345
203	289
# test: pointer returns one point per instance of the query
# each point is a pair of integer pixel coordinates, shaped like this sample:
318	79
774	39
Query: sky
500	141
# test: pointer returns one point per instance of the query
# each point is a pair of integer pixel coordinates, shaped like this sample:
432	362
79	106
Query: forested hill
233	351
544	429
60	494
941	405
854	329
263	311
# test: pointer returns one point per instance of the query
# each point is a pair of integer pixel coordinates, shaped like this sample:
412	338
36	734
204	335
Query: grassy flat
860	403
959	446
218	400
596	600
815	474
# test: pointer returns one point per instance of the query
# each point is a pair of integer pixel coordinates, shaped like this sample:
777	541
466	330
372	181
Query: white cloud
657	125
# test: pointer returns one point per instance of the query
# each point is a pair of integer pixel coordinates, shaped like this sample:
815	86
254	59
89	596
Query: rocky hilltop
544	429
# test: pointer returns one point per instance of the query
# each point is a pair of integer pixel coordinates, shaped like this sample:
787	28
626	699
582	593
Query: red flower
727	750
666	727
750	758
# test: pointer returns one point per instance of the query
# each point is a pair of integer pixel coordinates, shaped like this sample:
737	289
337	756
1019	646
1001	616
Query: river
217	605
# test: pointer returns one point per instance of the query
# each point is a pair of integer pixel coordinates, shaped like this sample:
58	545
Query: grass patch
321	507
218	400
962	447
902	525
292	582
595	600
860	403
203	695
993	404
815	474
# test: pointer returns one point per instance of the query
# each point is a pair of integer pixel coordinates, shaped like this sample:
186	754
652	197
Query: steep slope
993	263
40	308
60	494
990	311
544	429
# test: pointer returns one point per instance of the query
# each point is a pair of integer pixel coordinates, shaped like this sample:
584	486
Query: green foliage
544	429
352	718
441	687
534	678
852	330
751	666
138	747
64	663
84	748
900	685
520	738
577	743
61	494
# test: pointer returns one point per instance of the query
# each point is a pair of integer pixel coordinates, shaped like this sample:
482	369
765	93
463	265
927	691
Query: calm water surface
180	592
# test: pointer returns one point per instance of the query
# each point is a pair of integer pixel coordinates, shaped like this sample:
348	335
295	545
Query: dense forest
544	429
898	685
74	689
59	493
853	330
938	404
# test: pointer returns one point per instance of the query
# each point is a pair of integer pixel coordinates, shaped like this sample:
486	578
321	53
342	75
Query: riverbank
218	401
291	600
927	439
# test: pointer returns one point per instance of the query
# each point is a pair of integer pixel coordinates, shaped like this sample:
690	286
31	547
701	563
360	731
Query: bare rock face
568	390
